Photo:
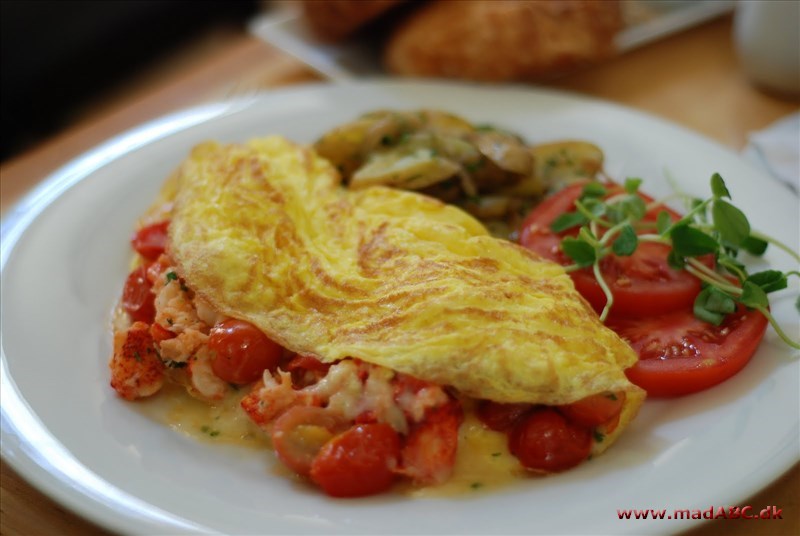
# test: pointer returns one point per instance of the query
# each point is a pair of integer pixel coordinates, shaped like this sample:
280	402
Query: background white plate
64	258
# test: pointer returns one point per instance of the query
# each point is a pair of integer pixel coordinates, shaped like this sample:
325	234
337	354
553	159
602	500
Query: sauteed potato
491	173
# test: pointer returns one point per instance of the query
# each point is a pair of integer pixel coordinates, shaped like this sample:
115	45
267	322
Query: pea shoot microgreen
712	226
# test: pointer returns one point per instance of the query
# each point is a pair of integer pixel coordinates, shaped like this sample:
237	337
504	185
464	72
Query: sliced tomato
429	452
596	410
554	206
242	351
138	299
299	434
361	461
501	417
642	283
545	441
680	354
151	241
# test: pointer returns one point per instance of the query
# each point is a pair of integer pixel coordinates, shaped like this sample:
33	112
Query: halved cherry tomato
596	410
642	283
545	441
358	462
299	434
501	417
680	354
151	241
243	352
138	299
429	453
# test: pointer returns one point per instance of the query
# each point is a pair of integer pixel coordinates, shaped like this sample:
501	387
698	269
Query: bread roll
334	20
503	40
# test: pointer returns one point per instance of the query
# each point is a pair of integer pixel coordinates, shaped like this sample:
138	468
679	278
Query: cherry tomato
243	352
361	461
595	410
299	434
429	453
680	354
546	442
642	283
151	241
138	299
501	417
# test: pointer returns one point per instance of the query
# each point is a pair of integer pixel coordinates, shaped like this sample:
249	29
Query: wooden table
692	79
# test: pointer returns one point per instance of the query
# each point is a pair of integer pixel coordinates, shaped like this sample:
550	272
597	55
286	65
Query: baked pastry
334	20
503	40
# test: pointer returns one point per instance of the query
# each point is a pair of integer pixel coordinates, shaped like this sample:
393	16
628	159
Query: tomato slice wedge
642	284
680	354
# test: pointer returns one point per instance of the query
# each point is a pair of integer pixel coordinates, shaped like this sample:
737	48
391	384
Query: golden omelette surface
265	233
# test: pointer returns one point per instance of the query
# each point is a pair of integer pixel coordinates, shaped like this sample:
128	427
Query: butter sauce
223	421
483	462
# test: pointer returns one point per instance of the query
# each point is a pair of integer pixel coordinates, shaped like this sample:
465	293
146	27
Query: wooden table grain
691	78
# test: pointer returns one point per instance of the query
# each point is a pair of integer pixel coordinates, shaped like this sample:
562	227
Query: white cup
767	37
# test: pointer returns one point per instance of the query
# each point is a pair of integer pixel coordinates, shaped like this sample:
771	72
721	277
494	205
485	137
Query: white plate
645	21
64	258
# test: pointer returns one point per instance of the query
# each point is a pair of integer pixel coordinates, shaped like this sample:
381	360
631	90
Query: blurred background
68	60
58	56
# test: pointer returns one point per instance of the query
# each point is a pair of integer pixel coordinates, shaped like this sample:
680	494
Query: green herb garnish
713	226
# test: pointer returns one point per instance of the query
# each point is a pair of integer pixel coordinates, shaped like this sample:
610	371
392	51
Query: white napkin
777	150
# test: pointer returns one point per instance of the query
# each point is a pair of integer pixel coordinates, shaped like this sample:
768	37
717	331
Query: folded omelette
265	232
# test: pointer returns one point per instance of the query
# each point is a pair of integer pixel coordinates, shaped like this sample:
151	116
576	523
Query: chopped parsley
598	437
172	276
210	431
